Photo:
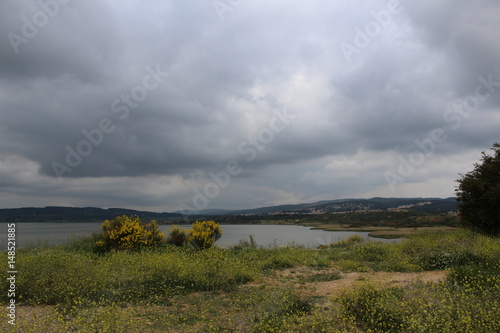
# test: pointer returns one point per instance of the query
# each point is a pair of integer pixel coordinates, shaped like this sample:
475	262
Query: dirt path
350	280
346	281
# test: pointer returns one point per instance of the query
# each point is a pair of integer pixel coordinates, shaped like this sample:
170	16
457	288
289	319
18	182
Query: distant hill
92	214
74	214
431	205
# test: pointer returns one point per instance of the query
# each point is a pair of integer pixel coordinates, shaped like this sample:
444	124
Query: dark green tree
479	195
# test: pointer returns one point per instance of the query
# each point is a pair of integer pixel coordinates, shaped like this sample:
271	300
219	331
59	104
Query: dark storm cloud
221	82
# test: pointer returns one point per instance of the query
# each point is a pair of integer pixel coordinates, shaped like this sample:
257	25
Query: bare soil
328	290
351	280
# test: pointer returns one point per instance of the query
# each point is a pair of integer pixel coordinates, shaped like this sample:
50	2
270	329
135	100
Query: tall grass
468	302
55	276
426	251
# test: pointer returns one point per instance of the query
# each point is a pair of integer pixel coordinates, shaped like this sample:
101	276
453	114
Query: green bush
177	236
440	251
371	251
245	244
351	240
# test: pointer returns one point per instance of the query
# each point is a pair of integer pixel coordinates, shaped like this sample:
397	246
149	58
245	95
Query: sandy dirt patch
350	280
294	277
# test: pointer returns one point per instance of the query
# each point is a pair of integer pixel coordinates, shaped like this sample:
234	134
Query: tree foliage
479	194
129	233
204	234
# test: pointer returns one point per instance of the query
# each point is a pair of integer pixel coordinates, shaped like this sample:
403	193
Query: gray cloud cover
170	93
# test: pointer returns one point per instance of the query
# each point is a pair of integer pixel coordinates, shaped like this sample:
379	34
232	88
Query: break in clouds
240	104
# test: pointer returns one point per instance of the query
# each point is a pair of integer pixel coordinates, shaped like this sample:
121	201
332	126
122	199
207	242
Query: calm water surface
265	235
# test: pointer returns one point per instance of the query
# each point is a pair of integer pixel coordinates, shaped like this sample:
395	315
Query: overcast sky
170	105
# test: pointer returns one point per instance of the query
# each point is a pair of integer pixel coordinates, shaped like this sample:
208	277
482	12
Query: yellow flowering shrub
129	233
204	234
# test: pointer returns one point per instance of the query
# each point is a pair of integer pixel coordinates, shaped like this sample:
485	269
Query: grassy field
429	282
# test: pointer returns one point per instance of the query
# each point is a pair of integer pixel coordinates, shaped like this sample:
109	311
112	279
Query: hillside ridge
95	214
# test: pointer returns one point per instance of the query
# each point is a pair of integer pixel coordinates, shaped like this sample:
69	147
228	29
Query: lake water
265	235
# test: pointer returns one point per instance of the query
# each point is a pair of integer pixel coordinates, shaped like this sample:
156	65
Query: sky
187	105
